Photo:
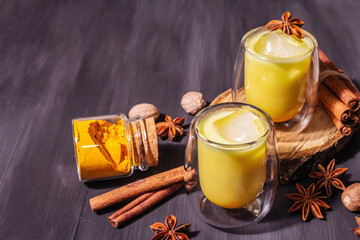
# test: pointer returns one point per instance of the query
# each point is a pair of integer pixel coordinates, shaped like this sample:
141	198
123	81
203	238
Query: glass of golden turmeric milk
279	74
232	148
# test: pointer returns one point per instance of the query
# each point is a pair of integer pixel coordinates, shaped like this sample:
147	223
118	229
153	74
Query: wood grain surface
65	59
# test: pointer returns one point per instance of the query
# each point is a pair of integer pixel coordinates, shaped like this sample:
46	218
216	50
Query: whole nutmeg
351	197
192	102
144	110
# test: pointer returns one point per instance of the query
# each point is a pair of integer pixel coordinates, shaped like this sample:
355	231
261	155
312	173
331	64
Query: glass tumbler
235	183
279	74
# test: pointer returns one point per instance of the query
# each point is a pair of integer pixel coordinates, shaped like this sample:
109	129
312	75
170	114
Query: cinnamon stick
346	131
132	204
128	207
323	58
352	87
141	204
154	182
336	107
339	86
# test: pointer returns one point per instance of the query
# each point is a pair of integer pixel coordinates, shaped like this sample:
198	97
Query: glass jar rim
278	59
219	106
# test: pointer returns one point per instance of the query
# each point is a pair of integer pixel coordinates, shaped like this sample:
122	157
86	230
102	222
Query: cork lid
145	142
153	152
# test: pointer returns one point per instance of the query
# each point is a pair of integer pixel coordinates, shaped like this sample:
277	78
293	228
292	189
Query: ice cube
242	126
279	44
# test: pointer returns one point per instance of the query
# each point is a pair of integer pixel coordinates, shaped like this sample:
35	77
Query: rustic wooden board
300	153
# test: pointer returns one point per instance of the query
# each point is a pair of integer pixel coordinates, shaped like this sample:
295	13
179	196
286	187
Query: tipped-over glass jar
113	146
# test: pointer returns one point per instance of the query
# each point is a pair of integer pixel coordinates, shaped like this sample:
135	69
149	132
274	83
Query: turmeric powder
102	149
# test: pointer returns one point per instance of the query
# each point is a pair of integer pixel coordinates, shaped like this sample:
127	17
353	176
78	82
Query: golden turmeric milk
102	149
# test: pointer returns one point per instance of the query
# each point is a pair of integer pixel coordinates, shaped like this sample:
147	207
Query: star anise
168	231
329	177
170	128
307	199
288	25
357	230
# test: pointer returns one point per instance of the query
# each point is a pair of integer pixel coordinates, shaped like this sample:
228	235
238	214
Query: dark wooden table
65	59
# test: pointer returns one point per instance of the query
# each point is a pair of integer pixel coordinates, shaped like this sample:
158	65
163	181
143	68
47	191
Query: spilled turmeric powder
102	149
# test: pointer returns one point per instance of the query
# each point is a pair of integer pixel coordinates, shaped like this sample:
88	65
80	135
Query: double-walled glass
235	184
284	87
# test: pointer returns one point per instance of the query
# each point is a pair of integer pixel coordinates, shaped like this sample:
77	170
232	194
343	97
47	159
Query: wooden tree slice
300	153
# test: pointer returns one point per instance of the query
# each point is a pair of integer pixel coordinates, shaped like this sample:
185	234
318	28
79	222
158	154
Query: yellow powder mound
102	149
